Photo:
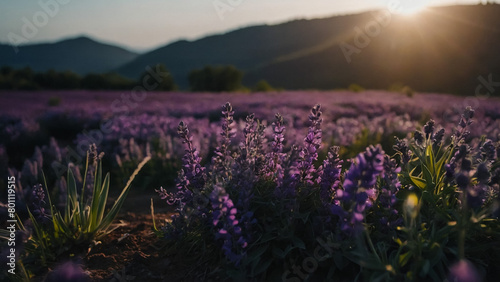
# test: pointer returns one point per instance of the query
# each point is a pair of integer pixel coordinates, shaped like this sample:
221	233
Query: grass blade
119	202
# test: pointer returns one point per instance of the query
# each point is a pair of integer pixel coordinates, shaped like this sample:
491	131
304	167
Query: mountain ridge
441	49
79	54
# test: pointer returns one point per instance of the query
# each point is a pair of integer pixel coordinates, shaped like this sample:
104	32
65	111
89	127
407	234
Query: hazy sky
145	24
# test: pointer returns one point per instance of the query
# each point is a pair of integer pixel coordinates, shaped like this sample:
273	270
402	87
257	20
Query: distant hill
443	49
81	55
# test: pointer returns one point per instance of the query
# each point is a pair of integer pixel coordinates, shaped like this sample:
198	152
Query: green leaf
419	182
304	216
262	267
281	253
52	208
429	153
428	179
338	259
297	242
425	268
82	196
95	203
71	199
104	224
255	255
103	197
267	237
404	258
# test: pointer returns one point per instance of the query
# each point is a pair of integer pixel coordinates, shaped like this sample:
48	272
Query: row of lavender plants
51	141
267	212
270	199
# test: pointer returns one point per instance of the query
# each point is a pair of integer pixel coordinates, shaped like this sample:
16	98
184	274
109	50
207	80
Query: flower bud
411	205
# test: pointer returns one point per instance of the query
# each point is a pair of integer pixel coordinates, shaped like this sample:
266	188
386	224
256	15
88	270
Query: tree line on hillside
209	79
28	79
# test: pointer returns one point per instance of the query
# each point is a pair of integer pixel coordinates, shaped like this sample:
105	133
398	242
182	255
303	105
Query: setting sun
411	7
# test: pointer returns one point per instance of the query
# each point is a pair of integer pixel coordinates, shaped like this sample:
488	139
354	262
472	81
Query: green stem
370	243
461	244
462	227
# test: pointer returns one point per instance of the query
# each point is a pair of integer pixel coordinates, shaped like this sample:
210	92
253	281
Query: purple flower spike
39	203
359	190
330	175
221	159
273	169
191	179
227	229
465	121
402	148
392	184
193	170
312	144
429	129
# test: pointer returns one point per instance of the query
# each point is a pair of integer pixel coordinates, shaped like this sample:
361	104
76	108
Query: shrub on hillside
401	88
215	79
158	79
263	86
106	81
355	87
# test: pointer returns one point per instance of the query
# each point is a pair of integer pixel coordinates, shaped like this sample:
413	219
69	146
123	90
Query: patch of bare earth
129	253
132	251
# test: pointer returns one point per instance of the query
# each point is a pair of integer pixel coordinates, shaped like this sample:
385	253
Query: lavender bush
269	211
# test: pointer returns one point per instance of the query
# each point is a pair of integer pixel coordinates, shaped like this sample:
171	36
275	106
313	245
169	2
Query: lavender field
282	186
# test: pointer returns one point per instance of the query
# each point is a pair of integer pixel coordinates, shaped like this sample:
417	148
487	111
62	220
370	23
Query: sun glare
411	7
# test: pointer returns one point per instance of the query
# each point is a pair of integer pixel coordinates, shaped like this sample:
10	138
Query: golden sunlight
411	7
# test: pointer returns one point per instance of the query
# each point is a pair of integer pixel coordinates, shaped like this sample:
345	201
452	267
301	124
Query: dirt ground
131	252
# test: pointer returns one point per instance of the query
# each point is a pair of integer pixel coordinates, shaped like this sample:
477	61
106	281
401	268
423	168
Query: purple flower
288	188
68	272
391	185
226	225
460	154
169	197
193	170
312	144
275	159
329	175
460	171
483	173
419	138
429	129
190	181
251	155
476	195
465	121
359	192
403	150
39	203
221	159
438	138
488	152
463	271
387	197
